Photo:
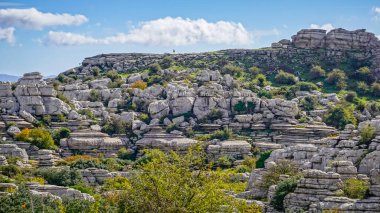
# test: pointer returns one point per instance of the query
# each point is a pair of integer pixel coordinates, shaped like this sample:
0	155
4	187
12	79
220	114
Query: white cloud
328	27
34	19
376	10
7	34
167	31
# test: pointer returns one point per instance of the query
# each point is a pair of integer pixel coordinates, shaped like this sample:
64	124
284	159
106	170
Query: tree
285	78
317	72
339	117
174	183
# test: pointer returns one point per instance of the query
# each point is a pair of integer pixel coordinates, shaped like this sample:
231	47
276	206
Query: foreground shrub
62	176
317	72
39	137
339	117
356	189
284	187
367	133
285	78
283	167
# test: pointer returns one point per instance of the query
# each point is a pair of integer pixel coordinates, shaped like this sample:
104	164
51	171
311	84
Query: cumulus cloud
376	10
328	27
165	31
7	34
33	19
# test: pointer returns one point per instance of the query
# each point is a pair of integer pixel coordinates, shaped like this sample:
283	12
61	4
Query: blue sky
52	36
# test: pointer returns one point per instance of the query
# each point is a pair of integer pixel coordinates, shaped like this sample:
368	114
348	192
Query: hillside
292	127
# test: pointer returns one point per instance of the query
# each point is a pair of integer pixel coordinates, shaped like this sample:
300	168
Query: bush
356	189
139	85
351	97
60	133
339	117
38	137
116	126
116	183
285	78
362	87
309	103
88	113
84	188
283	188
144	117
166	62
283	167
338	78
224	134
10	170
250	162
95	96
214	114
155	68
240	107
317	72
375	89
60	176
225	162
260	163
125	154
365	74
254	71
265	93
233	70
261	80
367	133
306	86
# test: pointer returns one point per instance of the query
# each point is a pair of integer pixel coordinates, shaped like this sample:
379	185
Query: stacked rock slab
95	176
46	158
60	191
8	103
235	149
156	138
91	143
12	150
36	97
313	188
3	160
346	169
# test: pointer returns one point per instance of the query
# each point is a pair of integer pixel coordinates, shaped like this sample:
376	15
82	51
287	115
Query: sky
52	36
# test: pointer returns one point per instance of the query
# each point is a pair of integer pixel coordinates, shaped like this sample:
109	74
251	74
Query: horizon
52	37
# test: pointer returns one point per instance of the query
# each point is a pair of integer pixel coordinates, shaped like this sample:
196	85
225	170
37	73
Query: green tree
339	117
174	183
338	78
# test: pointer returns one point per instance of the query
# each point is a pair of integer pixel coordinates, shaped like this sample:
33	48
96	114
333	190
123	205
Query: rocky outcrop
234	149
91	143
12	150
60	191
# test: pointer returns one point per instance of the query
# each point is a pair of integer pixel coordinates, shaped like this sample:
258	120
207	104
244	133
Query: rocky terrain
313	139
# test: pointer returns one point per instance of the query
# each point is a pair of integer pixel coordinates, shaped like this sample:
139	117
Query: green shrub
260	163
39	137
60	133
88	113
250	162
254	71
166	62
261	80
309	103
225	162
362	87
306	86
144	117
214	114
283	188
95	96
224	134
338	78
367	133
242	169
116	183
365	74
240	107
317	72
351	96
232	70
113	75
265	93
10	170
282	167
339	117
84	188
285	78
155	68
46	119
62	176
375	89
356	189
125	154
61	117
